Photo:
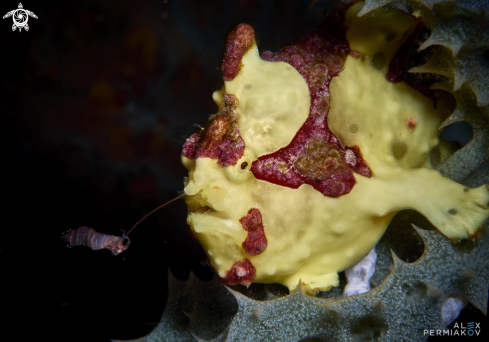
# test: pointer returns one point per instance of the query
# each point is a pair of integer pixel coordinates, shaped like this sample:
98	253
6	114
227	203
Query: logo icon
470	327
20	17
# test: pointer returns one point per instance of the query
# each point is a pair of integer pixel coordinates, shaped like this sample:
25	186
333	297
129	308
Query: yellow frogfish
313	151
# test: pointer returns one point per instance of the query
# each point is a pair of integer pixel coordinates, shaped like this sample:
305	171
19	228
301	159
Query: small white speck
240	271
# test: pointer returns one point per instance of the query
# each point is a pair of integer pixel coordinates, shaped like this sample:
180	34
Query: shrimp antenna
161	206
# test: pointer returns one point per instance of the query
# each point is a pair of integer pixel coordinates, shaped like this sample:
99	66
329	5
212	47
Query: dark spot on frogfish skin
354	54
242	272
256	241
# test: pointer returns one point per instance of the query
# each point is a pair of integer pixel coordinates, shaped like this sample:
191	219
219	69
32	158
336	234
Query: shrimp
89	237
86	236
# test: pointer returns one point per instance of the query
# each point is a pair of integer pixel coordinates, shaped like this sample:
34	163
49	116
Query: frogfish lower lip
205	220
203	210
208	210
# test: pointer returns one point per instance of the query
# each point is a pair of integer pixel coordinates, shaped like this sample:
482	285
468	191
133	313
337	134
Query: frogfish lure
86	236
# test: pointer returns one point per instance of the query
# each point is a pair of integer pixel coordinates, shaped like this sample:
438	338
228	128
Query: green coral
203	311
195	310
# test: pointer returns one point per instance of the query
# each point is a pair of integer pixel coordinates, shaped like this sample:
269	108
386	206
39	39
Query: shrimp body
87	236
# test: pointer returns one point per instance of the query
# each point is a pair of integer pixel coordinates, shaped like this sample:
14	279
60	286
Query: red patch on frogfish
242	272
355	161
221	139
411	123
255	242
315	156
239	41
355	54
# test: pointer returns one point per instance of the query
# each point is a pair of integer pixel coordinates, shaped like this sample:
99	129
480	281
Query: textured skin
256	241
305	190
315	156
242	272
412	293
221	139
240	40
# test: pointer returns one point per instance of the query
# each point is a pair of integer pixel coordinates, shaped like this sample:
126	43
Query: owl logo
20	17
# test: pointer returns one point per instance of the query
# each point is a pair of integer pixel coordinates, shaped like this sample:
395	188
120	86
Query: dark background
96	100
